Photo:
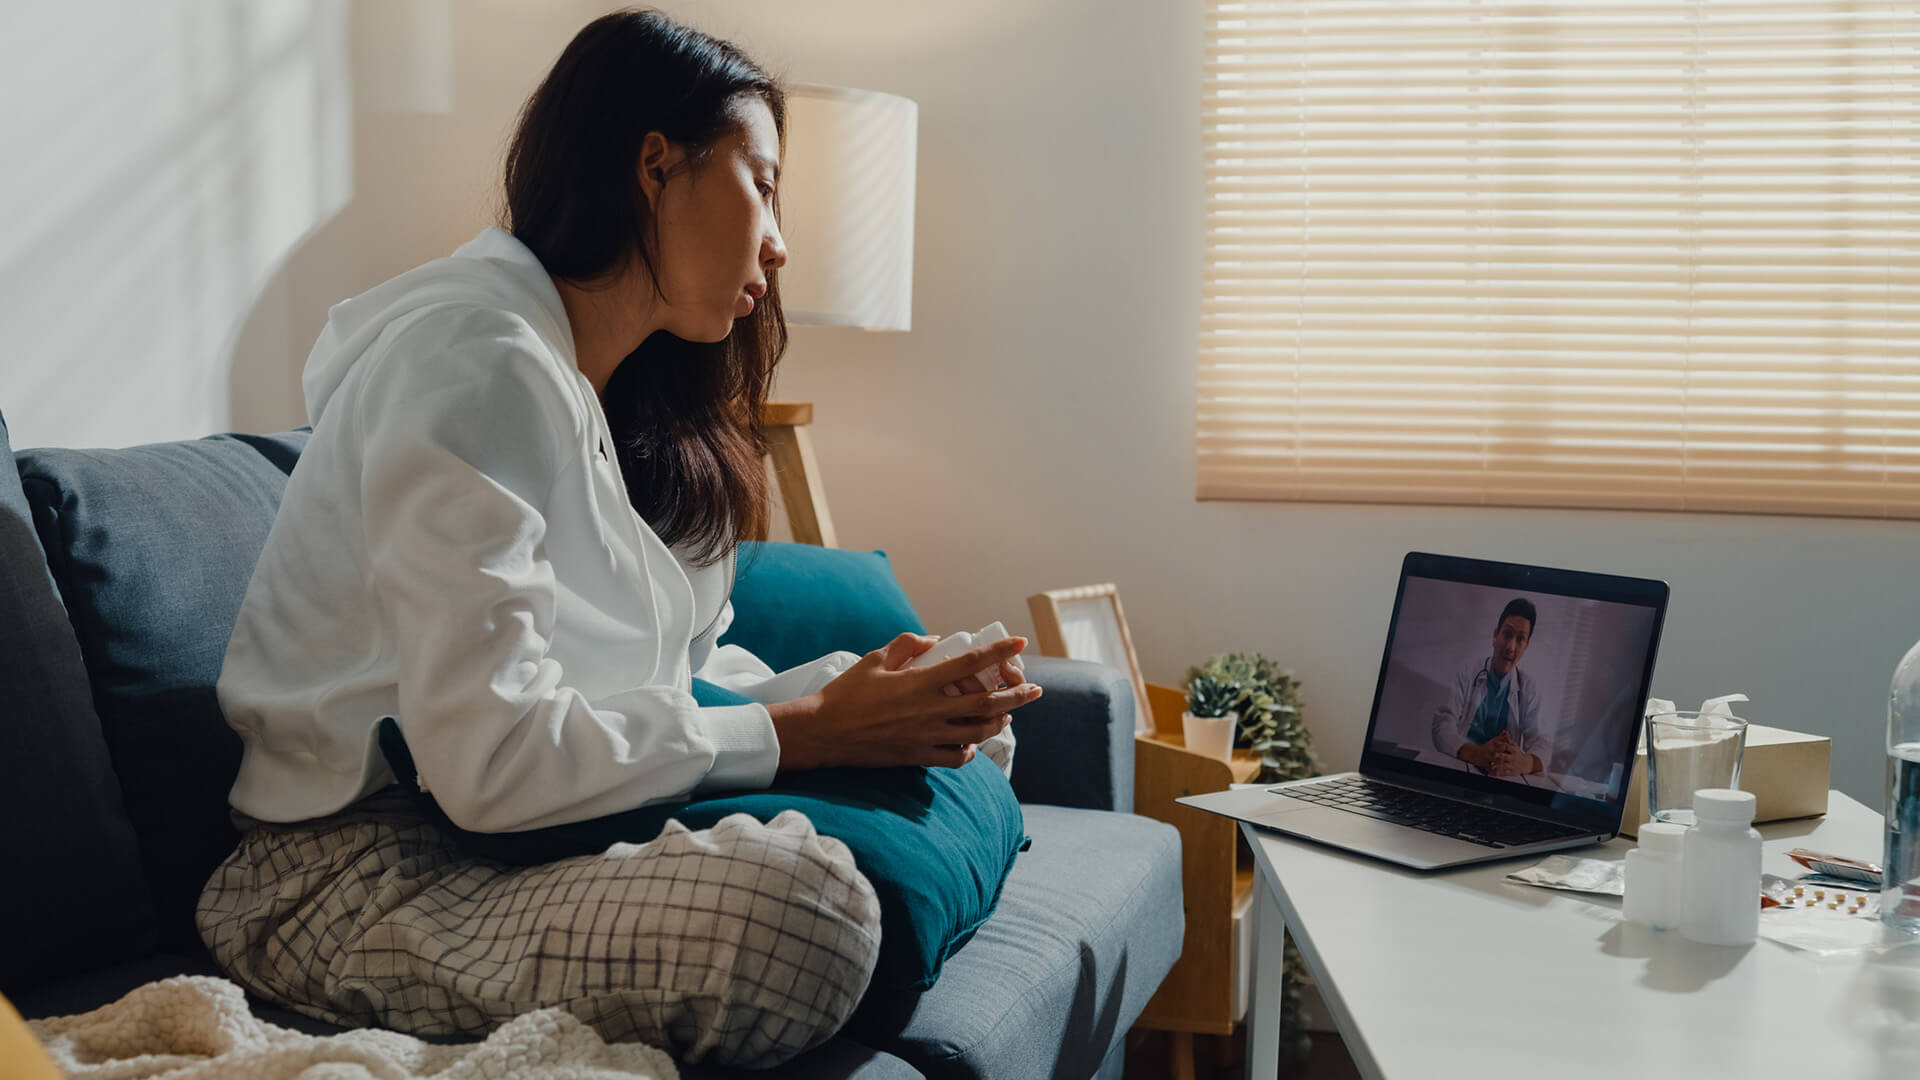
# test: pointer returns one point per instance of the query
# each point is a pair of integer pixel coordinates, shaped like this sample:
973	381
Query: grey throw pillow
74	897
151	548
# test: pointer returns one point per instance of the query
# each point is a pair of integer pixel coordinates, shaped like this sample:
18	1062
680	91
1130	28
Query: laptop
1504	720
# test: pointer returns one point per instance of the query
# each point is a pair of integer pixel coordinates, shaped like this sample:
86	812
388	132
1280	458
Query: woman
512	530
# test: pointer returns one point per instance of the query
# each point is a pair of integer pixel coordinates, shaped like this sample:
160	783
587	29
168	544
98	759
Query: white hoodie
455	549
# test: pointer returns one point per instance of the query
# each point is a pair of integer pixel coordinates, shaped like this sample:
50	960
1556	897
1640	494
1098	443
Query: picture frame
1089	623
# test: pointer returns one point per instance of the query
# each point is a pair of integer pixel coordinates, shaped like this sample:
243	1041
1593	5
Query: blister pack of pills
1823	919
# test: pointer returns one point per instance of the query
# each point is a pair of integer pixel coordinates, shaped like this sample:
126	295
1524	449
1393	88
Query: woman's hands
880	712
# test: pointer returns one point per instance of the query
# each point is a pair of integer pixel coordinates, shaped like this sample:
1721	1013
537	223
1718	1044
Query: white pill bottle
1720	870
1653	877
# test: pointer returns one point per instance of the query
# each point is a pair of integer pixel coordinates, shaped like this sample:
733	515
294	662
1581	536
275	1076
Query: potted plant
1210	718
1271	716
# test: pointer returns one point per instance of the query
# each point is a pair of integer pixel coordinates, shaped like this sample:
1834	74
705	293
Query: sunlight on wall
162	159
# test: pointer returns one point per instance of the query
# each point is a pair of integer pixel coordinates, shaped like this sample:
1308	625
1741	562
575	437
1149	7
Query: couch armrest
1075	744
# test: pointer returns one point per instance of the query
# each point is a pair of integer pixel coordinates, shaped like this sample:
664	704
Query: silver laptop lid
1520	687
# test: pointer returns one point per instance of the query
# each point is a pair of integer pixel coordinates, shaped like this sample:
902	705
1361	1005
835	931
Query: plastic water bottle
1900	893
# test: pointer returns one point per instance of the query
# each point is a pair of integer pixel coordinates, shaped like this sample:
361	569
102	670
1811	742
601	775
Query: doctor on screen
1491	719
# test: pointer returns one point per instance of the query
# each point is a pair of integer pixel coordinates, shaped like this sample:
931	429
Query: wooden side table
1201	995
790	449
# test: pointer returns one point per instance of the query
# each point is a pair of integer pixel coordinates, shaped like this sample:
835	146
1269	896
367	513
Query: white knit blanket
196	1027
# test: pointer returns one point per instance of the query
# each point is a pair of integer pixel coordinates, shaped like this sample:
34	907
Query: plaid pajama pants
744	944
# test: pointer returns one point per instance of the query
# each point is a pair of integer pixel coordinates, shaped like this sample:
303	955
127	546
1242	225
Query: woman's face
716	233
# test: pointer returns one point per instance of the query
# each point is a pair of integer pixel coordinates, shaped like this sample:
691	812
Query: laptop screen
1518	682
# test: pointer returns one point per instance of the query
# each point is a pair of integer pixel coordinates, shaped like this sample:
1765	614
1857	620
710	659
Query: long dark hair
685	415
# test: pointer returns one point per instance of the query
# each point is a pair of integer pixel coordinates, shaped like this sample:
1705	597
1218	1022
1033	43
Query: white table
1461	973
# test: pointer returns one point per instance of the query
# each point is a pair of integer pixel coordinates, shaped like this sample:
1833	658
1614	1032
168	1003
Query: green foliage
1272	722
1210	696
1271	715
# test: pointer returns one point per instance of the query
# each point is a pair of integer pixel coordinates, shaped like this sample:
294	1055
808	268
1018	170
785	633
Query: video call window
1532	688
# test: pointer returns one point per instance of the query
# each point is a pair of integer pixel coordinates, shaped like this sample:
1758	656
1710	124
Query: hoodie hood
492	269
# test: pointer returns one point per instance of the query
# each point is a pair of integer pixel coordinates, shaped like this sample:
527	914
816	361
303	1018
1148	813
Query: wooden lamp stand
790	449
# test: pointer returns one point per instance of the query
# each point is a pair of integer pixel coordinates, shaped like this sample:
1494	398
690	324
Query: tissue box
1785	770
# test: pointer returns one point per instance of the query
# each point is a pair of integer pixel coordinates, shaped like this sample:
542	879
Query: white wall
1035	429
160	160
194	182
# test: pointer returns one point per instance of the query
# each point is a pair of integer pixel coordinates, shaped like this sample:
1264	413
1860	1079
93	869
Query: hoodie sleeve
461	450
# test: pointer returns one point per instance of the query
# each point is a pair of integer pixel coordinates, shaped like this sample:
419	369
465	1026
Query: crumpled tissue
1713	706
1574	874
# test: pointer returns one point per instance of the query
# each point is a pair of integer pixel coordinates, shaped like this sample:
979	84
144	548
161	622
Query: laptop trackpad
1324	823
1275	810
1370	836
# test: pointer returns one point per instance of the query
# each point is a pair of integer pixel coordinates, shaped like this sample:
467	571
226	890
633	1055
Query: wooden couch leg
1180	1051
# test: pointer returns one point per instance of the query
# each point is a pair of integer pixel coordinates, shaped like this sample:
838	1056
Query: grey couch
120	574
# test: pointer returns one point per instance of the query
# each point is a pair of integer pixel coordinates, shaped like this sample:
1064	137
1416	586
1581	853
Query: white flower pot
1210	735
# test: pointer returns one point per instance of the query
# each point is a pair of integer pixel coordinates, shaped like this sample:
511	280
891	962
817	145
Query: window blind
1654	255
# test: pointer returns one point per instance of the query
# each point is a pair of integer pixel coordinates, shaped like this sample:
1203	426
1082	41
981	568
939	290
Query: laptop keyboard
1428	813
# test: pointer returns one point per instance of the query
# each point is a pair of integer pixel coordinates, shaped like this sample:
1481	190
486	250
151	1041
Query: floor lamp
846	212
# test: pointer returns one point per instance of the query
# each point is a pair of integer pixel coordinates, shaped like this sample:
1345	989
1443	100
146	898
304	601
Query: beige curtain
1657	255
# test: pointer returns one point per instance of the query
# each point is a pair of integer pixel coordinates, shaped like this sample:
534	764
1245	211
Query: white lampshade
846	208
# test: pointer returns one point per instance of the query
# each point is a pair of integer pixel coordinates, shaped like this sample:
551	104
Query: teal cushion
937	844
712	695
796	602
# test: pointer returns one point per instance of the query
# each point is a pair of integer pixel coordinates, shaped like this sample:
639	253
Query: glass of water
1687	751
